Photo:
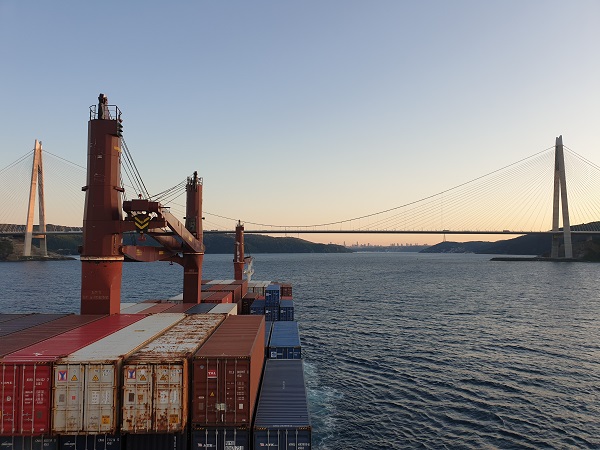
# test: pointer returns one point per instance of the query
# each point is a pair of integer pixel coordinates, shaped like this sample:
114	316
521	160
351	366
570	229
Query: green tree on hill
6	249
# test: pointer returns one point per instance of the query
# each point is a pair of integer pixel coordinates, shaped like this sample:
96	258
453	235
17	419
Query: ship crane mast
103	252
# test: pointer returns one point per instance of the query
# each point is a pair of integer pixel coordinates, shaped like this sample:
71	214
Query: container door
237	391
35	399
68	398
168	398
9	391
207	399
137	398
100	398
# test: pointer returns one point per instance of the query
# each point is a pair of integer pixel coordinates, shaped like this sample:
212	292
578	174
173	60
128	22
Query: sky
305	112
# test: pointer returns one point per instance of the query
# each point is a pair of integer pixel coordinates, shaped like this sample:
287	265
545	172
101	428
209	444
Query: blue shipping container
272	295
158	441
271	313
282	421
285	341
268	328
201	308
258	307
229	438
28	443
90	441
286	310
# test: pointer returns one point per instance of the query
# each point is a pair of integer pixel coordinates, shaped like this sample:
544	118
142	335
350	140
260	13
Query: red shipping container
179	307
235	289
227	371
27	321
244	285
216	287
30	336
219	297
286	289
26	375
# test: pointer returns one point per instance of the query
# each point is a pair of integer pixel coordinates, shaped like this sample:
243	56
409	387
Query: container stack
28	383
168	375
226	380
156	381
282	418
87	382
285	341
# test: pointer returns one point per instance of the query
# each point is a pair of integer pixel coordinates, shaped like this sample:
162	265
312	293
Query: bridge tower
37	181
560	193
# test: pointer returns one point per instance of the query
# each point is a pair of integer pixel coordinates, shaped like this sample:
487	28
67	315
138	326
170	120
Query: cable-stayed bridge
555	191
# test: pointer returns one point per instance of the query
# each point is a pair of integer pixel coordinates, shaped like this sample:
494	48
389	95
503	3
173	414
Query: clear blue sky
301	112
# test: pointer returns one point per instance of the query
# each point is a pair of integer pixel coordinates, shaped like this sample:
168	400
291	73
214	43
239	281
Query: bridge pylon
560	196
37	181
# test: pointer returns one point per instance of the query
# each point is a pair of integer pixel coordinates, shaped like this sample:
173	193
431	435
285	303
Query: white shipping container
258	287
156	377
87	382
137	308
225	308
126	305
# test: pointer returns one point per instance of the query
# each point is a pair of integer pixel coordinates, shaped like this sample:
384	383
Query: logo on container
62	375
212	373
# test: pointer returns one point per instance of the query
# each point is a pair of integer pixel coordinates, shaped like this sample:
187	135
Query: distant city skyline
305	112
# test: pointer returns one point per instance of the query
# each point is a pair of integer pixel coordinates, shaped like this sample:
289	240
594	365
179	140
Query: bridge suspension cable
516	197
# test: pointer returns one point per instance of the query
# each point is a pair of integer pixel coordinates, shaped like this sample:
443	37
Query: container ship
217	367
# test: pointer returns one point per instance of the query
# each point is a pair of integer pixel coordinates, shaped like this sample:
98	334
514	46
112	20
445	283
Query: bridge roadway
303	231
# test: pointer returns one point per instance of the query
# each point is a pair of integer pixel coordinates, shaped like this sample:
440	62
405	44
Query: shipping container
234	289
21	339
26	374
201	308
28	443
225	308
272	295
286	310
127	305
285	341
258	307
156	378
156	441
243	284
158	308
258	287
89	442
227	371
6	317
180	307
137	308
220	297
247	302
25	322
203	296
268	330
272	313
282	419
286	290
221	438
87	382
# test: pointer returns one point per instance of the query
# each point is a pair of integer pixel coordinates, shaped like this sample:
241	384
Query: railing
113	112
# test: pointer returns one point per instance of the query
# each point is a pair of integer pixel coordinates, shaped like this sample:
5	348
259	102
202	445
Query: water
410	350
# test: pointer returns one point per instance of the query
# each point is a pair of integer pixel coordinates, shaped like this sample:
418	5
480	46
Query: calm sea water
410	350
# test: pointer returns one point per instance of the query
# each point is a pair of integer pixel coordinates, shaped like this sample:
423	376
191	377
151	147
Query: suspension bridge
554	191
